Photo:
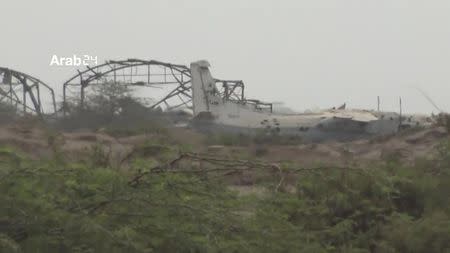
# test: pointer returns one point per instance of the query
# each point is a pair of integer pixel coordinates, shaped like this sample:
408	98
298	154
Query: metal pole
25	96
82	96
400	103
64	100
115	76
378	103
11	93
38	93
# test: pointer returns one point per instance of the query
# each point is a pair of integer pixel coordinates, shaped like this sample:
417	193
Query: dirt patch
38	142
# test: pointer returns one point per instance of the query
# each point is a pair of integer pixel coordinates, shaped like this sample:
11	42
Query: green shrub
62	207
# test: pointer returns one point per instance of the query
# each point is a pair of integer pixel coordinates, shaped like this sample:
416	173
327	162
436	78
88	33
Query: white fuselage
213	111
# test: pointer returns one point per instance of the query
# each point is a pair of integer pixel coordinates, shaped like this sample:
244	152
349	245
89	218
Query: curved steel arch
180	75
16	87
110	70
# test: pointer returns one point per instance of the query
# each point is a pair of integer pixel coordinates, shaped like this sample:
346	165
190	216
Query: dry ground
40	142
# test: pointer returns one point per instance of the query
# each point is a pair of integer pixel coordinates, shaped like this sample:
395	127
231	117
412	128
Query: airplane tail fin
202	84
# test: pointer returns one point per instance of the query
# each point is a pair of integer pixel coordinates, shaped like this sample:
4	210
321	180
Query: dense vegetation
55	206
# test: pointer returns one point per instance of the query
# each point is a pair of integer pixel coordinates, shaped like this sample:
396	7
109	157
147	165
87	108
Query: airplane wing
353	115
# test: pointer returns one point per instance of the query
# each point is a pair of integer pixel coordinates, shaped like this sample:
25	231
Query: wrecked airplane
216	109
213	104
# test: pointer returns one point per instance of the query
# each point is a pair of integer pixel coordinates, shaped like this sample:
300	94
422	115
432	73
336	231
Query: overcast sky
307	54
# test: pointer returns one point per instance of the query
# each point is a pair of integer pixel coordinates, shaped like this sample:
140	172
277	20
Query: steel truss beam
137	72
16	88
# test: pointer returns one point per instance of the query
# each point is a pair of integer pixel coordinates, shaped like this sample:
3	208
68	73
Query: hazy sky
317	53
